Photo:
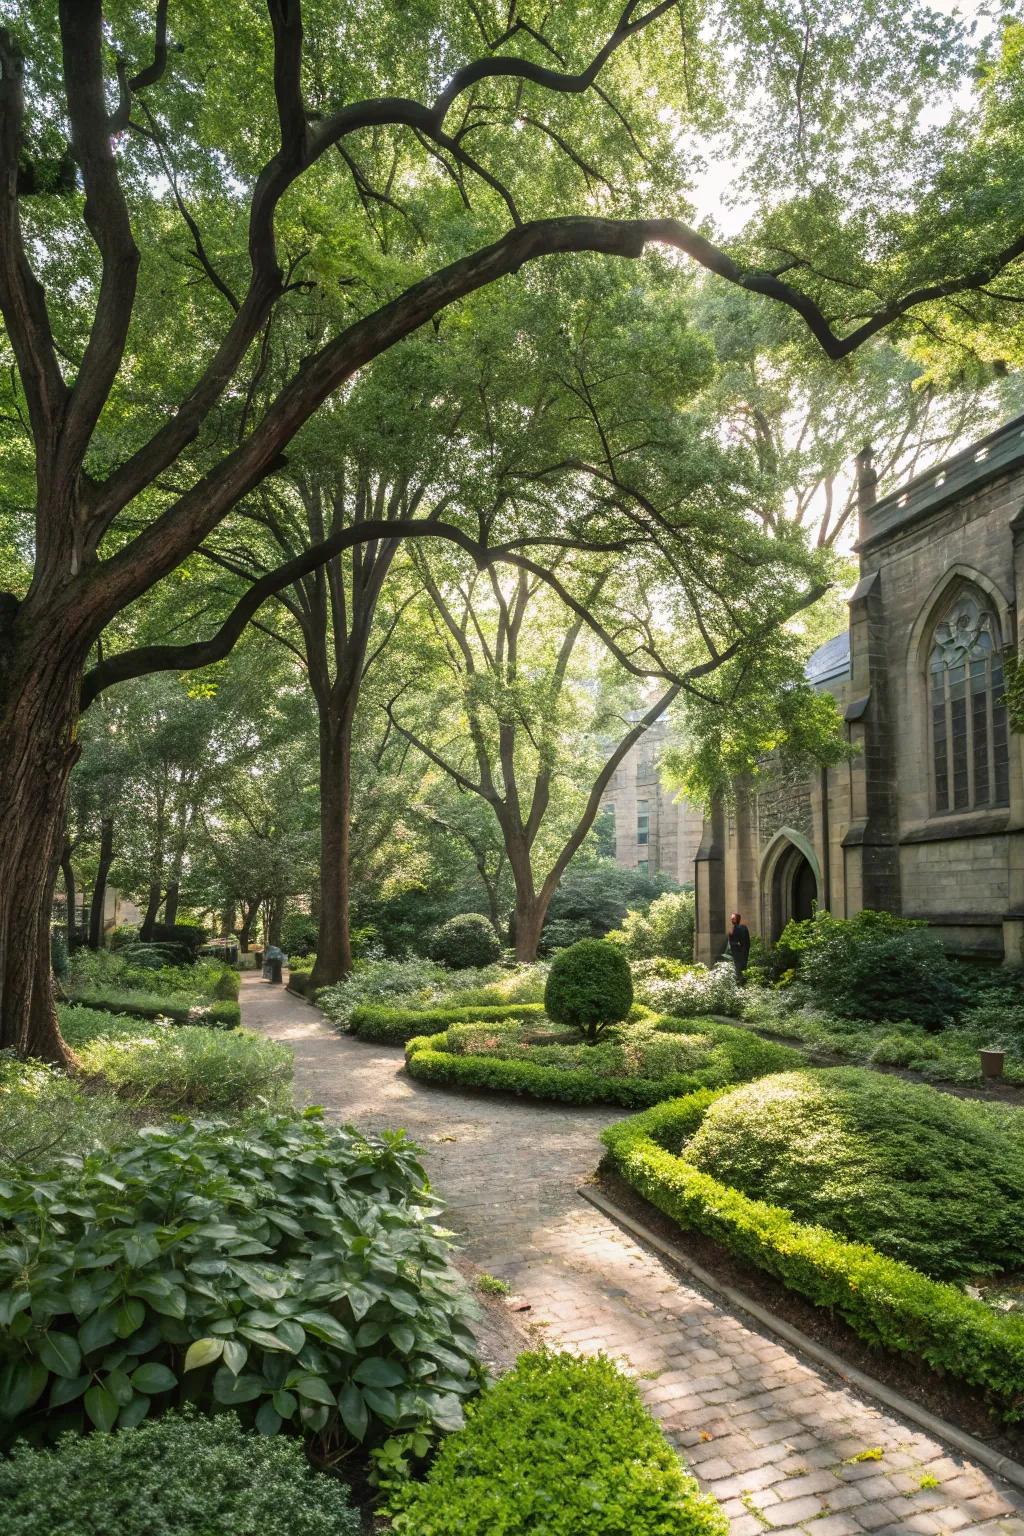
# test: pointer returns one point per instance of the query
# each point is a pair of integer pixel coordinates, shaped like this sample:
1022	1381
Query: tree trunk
249	910
99	890
334	941
39	684
227	922
70	894
531	910
171	907
153	904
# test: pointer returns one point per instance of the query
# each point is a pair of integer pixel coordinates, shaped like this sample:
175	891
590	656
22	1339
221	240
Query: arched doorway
794	890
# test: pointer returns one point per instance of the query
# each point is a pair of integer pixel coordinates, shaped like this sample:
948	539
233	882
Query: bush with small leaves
180	1476
465	941
589	987
562	1446
46	1115
288	1270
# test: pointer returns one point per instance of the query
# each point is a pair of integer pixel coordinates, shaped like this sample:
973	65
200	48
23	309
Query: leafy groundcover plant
690	994
179	1069
950	1056
561	1446
885	1302
45	1114
179	1476
634	1064
225	1014
291	1271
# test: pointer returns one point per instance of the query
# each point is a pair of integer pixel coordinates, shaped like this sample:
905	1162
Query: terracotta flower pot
992	1063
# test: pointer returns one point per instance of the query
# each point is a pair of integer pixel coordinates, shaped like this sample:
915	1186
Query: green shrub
935	1181
589	987
301	983
642	1064
181	1476
561	1446
394	1026
885	1302
695	992
299	933
290	1270
45	1115
874	966
468	940
664	930
176	1068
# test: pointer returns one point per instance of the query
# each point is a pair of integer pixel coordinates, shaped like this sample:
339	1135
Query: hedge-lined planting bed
732	1056
884	1301
224	1013
561	1446
395	1026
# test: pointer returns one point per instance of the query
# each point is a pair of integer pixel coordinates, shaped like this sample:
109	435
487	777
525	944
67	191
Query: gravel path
772	1435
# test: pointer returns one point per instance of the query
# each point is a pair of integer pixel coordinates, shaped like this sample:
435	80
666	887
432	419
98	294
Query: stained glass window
970	753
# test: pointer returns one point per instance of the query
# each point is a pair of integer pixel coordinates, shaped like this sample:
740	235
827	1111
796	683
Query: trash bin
274	970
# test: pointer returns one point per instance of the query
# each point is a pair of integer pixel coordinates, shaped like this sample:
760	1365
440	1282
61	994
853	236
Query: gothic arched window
970	753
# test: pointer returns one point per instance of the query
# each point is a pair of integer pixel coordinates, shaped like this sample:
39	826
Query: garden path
769	1433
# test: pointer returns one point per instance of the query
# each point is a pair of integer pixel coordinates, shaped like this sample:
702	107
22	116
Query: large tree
272	146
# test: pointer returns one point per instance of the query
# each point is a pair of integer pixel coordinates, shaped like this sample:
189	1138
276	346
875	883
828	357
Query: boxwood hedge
736	1056
224	1013
885	1302
288	1270
394	1026
562	1446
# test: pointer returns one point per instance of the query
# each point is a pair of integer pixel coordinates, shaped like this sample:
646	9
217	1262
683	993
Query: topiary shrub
464	941
562	1446
589	987
935	1181
178	1477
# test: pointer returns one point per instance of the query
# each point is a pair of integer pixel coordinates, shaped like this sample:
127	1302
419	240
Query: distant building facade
927	817
654	831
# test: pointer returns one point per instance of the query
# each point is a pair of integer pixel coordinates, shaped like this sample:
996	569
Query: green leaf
152	1377
268	1420
291	1334
121	1388
129	1316
66	1389
231	1389
264	1338
285	1403
97	1331
84	1294
140	1251
353	1410
323	1326
102	1407
11	1304
203	1352
235	1355
378	1372
60	1353
134	1412
315	1390
383	1403
403	1337
21	1385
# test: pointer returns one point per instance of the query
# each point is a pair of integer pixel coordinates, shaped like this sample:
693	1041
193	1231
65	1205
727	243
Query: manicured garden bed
633	1064
395	1026
886	1302
209	1013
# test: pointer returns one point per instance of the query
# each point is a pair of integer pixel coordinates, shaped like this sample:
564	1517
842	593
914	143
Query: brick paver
774	1437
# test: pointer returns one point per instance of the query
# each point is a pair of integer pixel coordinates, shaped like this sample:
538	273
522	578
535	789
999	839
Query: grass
177	1068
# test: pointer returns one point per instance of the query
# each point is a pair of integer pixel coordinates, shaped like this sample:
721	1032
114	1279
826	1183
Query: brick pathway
773	1436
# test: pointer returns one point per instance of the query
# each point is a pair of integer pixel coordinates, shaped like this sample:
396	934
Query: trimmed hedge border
428	1061
396	1026
558	1445
221	1014
885	1302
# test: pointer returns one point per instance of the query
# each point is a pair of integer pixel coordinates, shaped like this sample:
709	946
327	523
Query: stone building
654	832
926	819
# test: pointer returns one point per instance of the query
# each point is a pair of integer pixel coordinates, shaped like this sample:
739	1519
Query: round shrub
935	1181
182	1476
589	986
464	941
